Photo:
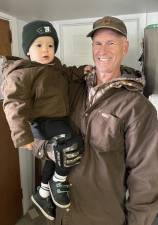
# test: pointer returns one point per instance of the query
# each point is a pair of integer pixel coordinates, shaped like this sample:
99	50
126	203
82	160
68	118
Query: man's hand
88	69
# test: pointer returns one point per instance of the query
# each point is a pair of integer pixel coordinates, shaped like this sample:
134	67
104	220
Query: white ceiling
74	9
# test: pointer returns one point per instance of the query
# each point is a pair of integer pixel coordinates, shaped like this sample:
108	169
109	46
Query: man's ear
125	47
28	54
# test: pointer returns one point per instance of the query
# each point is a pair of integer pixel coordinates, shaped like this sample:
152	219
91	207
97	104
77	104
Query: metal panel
151	60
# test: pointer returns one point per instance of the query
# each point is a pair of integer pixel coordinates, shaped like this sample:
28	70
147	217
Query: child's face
42	50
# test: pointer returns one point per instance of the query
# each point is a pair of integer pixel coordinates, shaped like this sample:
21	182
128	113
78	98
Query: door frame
13	27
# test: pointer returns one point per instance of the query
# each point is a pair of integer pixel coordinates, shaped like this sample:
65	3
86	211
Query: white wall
154	101
20	24
151	18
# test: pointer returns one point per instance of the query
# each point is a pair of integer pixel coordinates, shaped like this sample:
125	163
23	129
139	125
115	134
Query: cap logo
43	30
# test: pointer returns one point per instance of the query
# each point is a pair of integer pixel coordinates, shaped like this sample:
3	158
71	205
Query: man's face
108	48
42	50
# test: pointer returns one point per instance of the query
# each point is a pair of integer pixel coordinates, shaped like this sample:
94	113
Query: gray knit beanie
35	29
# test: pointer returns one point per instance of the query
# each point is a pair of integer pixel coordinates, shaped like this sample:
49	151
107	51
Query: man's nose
104	47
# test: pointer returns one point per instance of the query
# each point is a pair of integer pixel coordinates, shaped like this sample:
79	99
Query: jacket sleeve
142	167
16	90
73	73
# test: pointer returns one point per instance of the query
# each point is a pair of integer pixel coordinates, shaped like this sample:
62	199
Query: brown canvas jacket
116	182
32	90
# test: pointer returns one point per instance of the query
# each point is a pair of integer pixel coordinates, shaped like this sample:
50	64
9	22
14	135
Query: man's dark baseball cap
109	22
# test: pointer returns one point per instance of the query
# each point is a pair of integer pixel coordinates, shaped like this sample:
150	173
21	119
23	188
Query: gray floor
34	217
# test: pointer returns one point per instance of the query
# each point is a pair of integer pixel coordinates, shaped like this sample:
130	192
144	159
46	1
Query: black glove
66	150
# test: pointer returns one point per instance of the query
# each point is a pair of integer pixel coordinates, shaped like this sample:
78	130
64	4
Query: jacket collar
130	78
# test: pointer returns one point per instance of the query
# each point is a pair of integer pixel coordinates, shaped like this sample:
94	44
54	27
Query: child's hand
88	69
28	146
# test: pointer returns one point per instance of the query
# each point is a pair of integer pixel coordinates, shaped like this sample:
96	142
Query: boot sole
57	203
40	208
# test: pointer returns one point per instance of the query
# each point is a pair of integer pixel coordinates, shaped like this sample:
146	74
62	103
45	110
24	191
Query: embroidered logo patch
43	30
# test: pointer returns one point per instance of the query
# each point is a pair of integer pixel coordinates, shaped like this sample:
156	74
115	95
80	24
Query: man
116	182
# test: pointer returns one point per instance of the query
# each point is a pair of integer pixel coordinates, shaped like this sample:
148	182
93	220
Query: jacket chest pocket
106	132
